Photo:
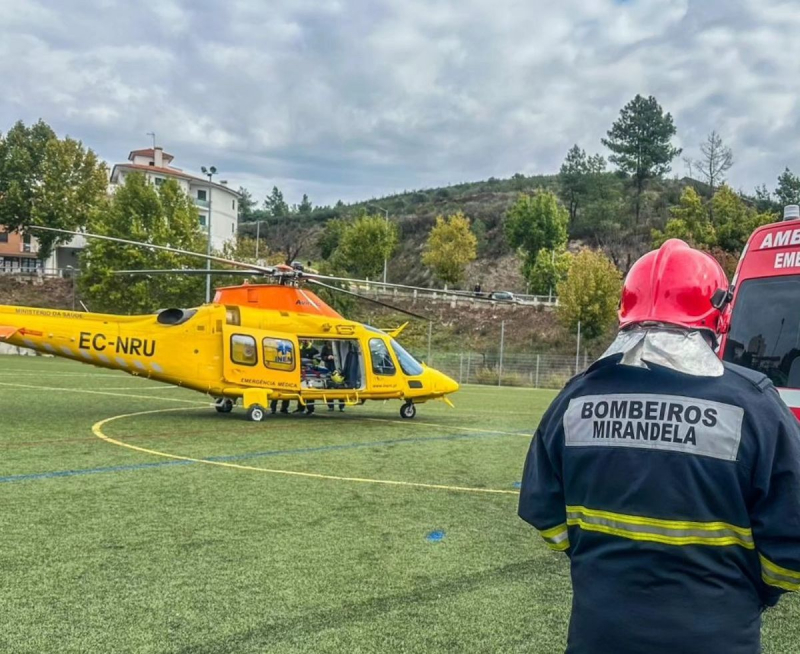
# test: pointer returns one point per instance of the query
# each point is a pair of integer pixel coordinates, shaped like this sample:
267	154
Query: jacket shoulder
759	380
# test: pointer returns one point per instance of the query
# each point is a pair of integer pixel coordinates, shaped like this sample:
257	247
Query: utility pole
385	260
578	350
209	172
258	235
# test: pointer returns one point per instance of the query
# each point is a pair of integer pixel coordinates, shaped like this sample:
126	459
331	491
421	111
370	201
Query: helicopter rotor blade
186	271
163	248
368	299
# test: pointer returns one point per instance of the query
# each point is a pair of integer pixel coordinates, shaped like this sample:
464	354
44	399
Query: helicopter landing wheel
408	410
256	413
223	405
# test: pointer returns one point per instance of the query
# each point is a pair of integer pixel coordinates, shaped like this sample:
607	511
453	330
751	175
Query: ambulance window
765	329
243	350
278	354
382	363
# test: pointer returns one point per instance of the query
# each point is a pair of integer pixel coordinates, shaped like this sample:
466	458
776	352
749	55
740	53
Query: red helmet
676	285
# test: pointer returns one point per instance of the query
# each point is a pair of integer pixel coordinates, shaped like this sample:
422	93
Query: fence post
469	365
537	372
502	346
430	335
461	368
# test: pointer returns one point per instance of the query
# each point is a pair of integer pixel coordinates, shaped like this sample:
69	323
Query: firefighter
669	479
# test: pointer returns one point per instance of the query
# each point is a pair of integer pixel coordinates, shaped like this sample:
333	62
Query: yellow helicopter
258	343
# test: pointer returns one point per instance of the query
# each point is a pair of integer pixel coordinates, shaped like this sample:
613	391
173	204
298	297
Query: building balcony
201	203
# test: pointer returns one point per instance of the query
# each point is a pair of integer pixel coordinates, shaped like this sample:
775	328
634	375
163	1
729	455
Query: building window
201	218
278	354
243	350
3	237
382	363
159	181
233	228
233	205
201	194
152	163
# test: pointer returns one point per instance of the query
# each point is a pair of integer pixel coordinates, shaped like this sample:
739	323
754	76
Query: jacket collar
684	351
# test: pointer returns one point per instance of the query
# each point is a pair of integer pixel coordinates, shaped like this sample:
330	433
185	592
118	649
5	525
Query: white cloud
353	98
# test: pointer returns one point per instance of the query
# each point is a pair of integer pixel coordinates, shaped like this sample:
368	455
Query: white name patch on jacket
655	422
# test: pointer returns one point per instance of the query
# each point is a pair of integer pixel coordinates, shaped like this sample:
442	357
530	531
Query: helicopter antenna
368	299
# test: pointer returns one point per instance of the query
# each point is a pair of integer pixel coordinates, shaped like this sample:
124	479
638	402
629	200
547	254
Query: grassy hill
485	203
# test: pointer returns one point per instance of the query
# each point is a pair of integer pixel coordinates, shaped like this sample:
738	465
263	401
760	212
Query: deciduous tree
717	159
141	212
689	222
331	235
47	181
589	294
365	244
548	271
534	222
450	247
734	220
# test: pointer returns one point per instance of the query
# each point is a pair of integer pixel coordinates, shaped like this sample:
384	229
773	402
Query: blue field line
247	455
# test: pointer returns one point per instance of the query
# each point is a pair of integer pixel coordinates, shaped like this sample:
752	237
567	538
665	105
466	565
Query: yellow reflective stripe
776	575
556	538
656	522
668	532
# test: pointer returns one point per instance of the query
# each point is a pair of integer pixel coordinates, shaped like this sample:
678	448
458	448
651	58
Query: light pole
209	172
258	235
385	261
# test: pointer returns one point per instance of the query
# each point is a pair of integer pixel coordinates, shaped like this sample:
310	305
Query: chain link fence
531	370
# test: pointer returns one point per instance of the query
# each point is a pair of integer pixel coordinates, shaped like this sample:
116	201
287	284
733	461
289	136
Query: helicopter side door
384	374
254	357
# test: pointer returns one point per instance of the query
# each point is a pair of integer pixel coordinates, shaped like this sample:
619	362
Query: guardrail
379	289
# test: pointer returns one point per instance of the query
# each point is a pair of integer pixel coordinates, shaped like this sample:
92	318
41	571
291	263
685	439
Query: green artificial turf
105	548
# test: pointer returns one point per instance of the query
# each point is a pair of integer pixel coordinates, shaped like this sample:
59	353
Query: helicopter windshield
409	365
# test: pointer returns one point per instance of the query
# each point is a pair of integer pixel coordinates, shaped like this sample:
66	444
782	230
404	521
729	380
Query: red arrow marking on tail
22	331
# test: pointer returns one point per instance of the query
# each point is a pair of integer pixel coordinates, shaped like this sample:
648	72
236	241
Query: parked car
503	296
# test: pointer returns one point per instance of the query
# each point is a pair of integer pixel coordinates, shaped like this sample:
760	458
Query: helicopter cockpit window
408	364
243	350
278	354
382	363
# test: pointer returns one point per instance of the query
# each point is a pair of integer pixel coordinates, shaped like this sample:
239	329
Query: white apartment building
222	202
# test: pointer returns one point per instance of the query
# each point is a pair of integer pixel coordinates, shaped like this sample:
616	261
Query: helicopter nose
444	384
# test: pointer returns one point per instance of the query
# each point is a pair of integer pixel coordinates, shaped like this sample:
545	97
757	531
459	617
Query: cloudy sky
353	99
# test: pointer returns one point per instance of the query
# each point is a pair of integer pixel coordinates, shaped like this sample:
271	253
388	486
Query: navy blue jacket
677	499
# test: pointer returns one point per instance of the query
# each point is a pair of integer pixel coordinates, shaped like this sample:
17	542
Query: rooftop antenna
153	134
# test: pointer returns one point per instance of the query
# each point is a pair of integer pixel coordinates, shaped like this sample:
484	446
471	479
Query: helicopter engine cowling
174	316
